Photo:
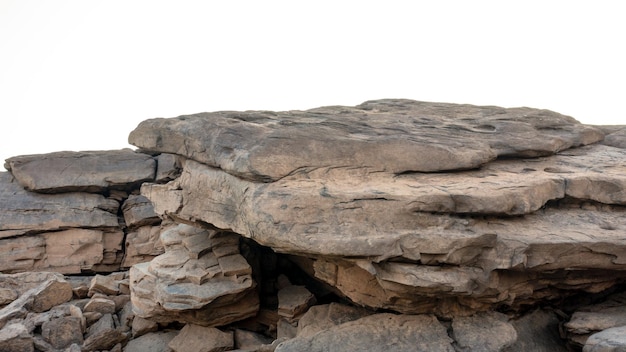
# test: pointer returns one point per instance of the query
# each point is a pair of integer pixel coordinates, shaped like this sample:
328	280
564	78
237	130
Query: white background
80	75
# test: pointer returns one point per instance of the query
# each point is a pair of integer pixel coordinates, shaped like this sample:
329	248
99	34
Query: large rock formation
361	195
417	225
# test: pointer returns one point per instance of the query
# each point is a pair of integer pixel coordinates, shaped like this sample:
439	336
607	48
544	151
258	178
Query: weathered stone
141	326
617	138
609	340
327	316
15	338
188	283
195	338
537	331
594	318
151	342
483	332
138	211
103	335
304	214
377	333
385	135
126	316
168	167
106	284
23	212
100	305
249	340
142	245
92	171
63	332
294	300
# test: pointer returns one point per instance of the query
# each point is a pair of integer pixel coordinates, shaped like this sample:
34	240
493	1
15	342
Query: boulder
483	332
609	340
89	171
538	331
103	335
200	279
15	338
384	135
23	212
378	332
195	338
591	319
151	342
62	332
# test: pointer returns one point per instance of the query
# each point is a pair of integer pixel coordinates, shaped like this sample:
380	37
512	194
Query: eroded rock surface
379	231
200	279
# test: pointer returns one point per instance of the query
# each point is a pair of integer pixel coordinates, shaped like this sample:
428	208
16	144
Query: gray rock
195	338
537	331
15	338
23	212
609	340
151	342
487	332
62	332
378	332
90	171
384	135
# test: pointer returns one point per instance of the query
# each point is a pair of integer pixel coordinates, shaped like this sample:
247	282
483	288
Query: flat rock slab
23	212
394	136
379	332
90	171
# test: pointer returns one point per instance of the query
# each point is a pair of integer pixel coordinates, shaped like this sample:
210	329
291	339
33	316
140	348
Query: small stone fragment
195	338
294	300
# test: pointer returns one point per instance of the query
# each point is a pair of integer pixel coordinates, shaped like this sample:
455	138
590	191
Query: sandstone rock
142	245
597	317
286	329
384	135
616	138
483	332
143	326
23	212
103	335
537	331
249	340
294	300
63	332
191	283
92	171
106	284
378	332
609	340
100	305
375	217
151	342
138	211
168	167
15	338
126	316
327	316
195	338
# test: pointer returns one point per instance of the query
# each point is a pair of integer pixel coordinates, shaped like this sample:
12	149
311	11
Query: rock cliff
428	226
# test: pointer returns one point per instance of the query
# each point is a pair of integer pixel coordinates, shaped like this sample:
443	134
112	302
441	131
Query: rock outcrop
421	226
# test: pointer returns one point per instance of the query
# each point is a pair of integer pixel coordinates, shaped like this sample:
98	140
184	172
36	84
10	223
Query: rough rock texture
92	171
379	332
387	236
385	135
473	228
201	279
195	338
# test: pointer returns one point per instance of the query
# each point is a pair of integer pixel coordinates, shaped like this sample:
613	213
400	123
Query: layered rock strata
410	206
416	225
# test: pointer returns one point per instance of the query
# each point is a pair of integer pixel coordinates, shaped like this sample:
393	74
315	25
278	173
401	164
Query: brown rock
103	335
138	211
484	331
189	283
151	342
195	338
23	212
63	332
141	326
377	332
537	331
294	300
249	340
327	316
384	135
617	138
101	305
93	171
15	338
142	245
106	284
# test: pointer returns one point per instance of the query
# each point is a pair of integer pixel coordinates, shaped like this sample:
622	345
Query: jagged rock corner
394	225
